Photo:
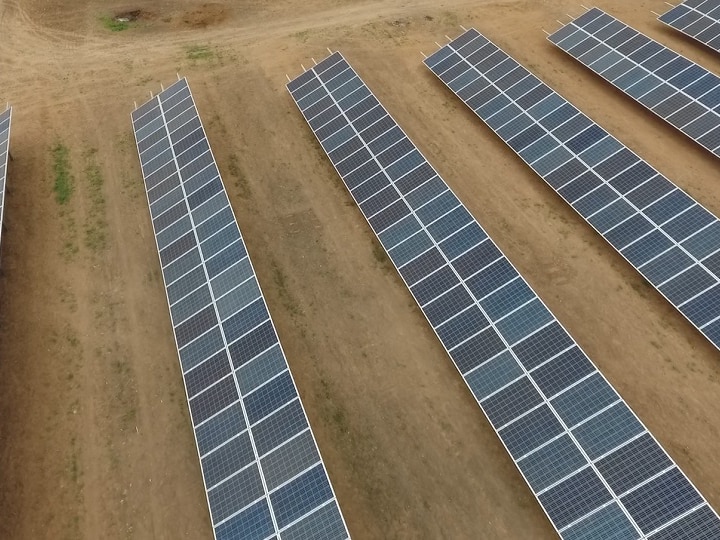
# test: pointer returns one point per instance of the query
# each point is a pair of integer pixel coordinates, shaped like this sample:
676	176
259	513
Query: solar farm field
96	439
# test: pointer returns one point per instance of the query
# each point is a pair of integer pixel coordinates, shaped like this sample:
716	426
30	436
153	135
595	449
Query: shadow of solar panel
698	19
644	216
532	381
5	122
261	467
677	90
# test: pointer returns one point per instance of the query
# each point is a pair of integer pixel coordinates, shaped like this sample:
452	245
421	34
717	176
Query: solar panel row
671	240
698	19
262	471
593	466
679	91
5	121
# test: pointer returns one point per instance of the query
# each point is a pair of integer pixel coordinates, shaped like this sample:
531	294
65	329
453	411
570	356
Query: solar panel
677	90
593	466
263	474
5	121
666	235
698	19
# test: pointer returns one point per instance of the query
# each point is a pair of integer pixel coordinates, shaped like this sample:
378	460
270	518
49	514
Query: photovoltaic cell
679	91
532	381
261	467
643	215
699	19
5	121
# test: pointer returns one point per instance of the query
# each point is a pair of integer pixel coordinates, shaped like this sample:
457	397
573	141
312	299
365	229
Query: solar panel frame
681	92
697	19
637	229
262	470
505	366
5	126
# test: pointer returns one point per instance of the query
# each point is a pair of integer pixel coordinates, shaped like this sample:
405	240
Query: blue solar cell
667	265
323	523
506	299
410	248
213	400
633	463
607	430
524	321
511	402
235	493
611	216
466	324
253	523
270	397
530	431
493	375
542	345
700	524
226	460
688	223
427	191
477	350
652	190
462	241
434	285
579	187
704	308
220	428
687	285
585	399
552	463
609	523
301	495
563	371
491	278
704	242
628	231
279	427
426	263
476	259
208	373
597	199
574	497
449	304
661	500
647	248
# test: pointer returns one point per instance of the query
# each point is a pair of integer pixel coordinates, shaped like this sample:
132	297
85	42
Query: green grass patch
63	186
199	52
114	25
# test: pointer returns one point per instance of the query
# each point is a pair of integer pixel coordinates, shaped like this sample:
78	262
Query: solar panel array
5	121
679	91
593	466
262	471
671	240
698	19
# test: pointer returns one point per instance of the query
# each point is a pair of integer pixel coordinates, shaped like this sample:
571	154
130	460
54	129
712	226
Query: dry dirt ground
95	440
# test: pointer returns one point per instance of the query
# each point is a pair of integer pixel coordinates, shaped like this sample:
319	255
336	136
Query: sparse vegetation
114	24
287	299
199	52
95	223
63	186
241	181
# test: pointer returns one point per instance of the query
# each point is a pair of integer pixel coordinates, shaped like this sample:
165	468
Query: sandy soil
95	440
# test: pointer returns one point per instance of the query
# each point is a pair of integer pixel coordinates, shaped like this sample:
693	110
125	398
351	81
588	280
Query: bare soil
95	439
